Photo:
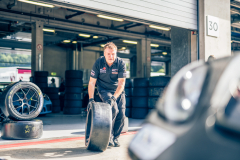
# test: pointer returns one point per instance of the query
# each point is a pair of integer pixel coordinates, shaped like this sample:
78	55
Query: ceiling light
235	41
84	35
131	42
74	42
48	30
66	41
37	3
154	45
111	18
164	53
95	36
102	45
158	27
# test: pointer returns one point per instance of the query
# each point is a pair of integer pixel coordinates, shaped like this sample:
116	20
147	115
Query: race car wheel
98	126
22	129
22	101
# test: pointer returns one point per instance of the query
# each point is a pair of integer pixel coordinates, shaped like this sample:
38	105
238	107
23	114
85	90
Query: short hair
110	45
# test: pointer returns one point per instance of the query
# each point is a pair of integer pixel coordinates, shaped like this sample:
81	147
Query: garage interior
74	39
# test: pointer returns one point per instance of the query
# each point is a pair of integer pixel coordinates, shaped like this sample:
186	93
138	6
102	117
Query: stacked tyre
155	90
52	93
128	92
20	103
73	92
140	98
41	80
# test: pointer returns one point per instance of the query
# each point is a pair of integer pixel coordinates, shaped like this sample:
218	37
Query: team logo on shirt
92	73
103	70
114	71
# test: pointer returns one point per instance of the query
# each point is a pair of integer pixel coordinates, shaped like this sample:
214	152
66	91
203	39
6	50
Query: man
109	72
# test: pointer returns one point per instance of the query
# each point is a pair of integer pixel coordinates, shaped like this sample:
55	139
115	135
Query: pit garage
42	40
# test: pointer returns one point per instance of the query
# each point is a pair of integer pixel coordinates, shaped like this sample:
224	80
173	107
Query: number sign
212	26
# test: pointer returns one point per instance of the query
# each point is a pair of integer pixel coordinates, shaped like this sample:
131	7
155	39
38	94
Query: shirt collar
113	62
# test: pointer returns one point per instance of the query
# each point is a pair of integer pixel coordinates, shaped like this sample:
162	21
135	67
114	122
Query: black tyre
140	102
129	83
42	85
51	90
140	82
22	129
73	90
152	102
72	103
53	96
40	74
128	92
55	102
155	91
74	74
41	79
73	96
74	82
140	92
68	110
128	112
98	124
159	81
139	113
128	102
56	109
22	101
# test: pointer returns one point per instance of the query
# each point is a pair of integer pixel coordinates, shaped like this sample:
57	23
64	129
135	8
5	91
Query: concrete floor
63	138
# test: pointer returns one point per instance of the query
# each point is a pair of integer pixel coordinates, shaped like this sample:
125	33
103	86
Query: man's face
110	55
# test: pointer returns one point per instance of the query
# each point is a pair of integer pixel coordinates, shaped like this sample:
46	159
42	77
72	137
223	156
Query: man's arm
91	87
120	88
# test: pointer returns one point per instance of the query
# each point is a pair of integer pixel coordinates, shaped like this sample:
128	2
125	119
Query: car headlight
46	97
181	96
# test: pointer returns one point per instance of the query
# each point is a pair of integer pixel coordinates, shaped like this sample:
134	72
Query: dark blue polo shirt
107	77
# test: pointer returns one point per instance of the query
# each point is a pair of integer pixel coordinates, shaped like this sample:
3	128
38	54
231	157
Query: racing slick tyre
40	73
140	82
73	90
128	112
98	126
72	103
72	110
140	102
73	96
22	129
139	113
129	83
159	81
21	101
155	91
138	92
41	79
51	90
74	74
74	83
152	101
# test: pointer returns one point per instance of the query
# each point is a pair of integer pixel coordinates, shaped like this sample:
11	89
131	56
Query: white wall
218	46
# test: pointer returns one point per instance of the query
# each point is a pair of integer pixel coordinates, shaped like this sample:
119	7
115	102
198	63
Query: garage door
180	13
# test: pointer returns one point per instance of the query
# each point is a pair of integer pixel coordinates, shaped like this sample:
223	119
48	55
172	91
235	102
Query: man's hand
111	101
91	100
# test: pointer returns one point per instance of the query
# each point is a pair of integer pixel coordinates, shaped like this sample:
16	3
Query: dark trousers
118	111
